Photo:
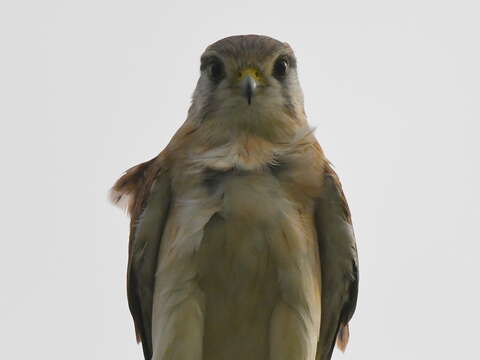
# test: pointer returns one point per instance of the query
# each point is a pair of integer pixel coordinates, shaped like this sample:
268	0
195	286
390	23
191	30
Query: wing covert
147	189
339	265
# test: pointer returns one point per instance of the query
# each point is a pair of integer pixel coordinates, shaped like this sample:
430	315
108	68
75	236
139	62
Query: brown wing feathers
339	265
132	191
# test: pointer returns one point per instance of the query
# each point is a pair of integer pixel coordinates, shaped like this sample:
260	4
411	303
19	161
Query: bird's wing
339	265
146	189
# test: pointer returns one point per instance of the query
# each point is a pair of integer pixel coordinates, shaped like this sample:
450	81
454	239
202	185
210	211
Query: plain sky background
90	88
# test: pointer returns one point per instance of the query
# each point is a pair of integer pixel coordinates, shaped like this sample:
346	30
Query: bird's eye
280	68
216	70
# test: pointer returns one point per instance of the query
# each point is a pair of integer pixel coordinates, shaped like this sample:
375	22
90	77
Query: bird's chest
244	238
254	214
239	218
235	254
256	198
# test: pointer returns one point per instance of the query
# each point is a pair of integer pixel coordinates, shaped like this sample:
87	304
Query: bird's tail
342	337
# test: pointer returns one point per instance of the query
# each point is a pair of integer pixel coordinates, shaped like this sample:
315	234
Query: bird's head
249	83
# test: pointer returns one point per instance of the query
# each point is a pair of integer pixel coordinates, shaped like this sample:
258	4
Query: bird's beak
249	78
248	87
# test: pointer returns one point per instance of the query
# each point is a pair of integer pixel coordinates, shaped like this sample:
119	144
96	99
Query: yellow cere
254	73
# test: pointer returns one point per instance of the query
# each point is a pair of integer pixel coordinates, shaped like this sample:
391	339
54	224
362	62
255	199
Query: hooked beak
248	87
248	79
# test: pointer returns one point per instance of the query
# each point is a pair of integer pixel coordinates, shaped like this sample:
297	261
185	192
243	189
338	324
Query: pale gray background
90	88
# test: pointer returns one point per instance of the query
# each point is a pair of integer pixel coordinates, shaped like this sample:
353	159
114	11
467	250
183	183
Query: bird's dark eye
280	68
216	70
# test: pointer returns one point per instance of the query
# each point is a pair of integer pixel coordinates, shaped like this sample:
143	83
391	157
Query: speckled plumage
241	244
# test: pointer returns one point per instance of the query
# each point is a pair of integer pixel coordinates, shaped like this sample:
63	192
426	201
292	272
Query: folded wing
145	189
339	265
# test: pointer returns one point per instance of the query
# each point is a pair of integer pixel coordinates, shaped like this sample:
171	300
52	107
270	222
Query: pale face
251	83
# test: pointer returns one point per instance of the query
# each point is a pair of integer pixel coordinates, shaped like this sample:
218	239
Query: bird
241	240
